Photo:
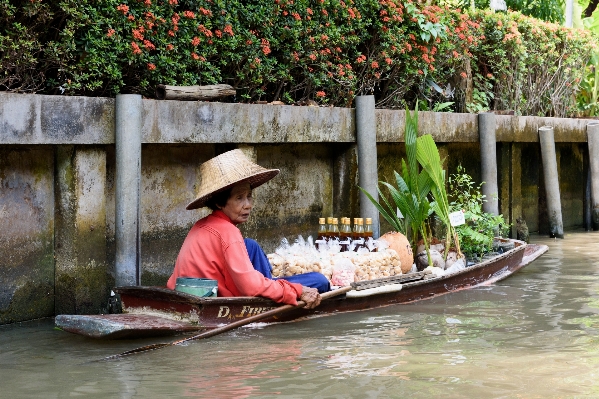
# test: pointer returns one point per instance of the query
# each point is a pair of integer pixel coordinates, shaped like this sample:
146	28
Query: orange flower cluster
229	29
136	49
123	8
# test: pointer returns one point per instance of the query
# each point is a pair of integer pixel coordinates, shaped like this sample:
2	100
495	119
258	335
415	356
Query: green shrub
294	50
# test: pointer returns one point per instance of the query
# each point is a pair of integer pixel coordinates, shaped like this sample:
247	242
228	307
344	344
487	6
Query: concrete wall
57	191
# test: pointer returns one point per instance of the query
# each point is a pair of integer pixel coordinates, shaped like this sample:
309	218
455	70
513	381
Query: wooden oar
228	327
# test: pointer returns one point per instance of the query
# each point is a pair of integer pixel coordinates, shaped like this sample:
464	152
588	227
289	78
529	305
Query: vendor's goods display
401	245
341	268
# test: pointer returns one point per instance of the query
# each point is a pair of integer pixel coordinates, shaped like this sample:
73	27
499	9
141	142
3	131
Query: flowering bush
328	51
535	67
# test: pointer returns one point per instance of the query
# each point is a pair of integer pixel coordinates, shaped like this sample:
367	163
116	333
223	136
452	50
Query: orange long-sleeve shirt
214	249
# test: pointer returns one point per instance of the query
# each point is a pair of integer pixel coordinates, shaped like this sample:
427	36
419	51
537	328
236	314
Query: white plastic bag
344	272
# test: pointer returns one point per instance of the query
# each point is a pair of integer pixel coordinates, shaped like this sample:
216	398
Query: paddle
228	327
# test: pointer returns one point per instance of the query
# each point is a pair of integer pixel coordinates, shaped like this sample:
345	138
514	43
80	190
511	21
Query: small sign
457	218
498	5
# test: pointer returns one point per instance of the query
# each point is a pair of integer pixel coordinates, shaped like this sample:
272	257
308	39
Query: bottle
345	234
322	233
359	234
329	227
335	230
368	232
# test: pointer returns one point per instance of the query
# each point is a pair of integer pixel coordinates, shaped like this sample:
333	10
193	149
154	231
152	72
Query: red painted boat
151	311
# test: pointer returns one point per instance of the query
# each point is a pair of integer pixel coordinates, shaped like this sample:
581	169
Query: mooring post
128	109
488	158
367	159
554	207
593	143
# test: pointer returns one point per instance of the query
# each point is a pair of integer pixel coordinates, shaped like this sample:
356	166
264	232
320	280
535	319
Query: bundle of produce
303	257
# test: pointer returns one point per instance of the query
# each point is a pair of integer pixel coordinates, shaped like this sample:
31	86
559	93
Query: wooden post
201	93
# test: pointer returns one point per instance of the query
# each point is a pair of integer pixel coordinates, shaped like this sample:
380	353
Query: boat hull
205	313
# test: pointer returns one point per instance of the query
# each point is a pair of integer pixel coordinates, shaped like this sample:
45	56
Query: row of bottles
328	229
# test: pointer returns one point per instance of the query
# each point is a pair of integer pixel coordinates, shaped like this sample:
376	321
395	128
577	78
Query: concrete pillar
593	143
128	123
488	157
367	159
82	281
550	174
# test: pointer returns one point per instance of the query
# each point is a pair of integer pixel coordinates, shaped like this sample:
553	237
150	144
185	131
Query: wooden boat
153	311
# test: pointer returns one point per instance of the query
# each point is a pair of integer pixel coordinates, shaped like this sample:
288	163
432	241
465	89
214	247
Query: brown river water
533	335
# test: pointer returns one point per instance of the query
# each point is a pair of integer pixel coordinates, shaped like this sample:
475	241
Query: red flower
171	33
172	2
136	49
151	66
218	33
420	72
123	8
189	14
195	41
110	32
195	56
169	47
229	29
320	94
149	45
374	65
463	74
137	34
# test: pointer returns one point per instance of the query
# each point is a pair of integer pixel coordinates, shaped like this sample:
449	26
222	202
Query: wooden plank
201	93
116	326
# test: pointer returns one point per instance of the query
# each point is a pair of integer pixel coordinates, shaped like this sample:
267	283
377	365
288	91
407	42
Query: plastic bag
344	272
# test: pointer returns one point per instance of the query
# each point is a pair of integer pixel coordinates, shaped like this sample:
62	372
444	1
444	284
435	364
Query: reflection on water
534	335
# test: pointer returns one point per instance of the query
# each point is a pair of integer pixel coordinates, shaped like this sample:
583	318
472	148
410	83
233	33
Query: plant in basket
419	191
477	234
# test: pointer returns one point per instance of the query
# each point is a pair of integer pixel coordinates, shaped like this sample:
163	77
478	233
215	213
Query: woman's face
239	204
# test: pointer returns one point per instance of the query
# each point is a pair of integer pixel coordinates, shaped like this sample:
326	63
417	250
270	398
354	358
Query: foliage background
296	50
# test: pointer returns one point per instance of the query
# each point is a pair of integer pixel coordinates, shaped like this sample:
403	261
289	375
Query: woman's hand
311	297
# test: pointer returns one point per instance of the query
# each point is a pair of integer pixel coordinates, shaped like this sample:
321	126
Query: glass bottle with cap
368	233
335	230
359	233
322	233
345	234
329	227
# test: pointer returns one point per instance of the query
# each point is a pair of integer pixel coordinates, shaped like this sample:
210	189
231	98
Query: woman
214	247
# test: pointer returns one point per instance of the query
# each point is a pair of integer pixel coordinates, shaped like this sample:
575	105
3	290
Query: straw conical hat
226	170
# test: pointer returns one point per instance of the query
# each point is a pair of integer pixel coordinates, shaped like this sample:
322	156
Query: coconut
401	245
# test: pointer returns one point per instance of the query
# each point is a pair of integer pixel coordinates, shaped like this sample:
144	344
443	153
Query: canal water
533	335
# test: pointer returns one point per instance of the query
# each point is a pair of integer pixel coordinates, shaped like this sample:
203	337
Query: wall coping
32	119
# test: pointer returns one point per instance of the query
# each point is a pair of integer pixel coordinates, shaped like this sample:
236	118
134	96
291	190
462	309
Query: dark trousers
261	263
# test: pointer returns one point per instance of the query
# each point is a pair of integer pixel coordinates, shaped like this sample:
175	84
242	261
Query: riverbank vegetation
327	51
